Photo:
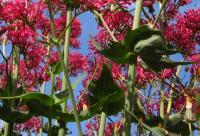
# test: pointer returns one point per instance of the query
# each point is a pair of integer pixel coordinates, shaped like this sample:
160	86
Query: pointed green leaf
57	68
97	45
173	120
158	131
14	116
118	53
105	95
157	64
197	115
134	36
42	98
153	46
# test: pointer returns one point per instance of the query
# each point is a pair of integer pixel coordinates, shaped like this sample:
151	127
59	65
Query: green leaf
57	68
105	95
16	116
197	115
97	45
181	128
172	120
134	36
152	120
64	94
159	63
197	99
40	109
158	131
42	98
151	45
70	117
118	53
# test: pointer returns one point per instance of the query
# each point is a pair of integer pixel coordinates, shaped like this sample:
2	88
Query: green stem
66	52
66	81
51	94
162	105
29	133
51	18
170	100
65	65
159	14
52	85
102	124
15	73
4	46
129	100
9	126
49	127
190	128
6	125
7	129
41	118
105	25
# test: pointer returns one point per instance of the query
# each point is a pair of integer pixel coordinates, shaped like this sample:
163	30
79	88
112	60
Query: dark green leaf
42	98
134	36
180	128
198	118
97	45
197	99
159	63
153	46
57	68
16	116
172	120
158	131
118	53
105	95
40	109
61	94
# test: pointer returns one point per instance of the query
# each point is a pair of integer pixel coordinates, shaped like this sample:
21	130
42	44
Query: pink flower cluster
185	32
32	125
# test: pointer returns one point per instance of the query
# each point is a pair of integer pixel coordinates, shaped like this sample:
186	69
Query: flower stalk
64	65
102	124
130	96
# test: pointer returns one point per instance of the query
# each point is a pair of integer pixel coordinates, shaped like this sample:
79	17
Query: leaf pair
148	44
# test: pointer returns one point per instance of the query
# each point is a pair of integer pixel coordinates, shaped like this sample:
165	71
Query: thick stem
71	95
66	52
9	126
41	118
65	65
51	94
190	128
49	127
51	18
102	124
52	85
162	105
66	81
130	97
6	125
15	73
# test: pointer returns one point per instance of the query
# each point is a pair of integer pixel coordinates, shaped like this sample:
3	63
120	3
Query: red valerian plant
130	83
